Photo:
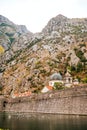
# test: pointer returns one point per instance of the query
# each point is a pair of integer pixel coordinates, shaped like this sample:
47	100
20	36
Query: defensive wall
68	101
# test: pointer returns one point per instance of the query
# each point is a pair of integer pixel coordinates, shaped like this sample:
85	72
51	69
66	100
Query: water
41	122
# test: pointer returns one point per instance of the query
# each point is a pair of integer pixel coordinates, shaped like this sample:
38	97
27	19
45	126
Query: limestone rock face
22	29
55	24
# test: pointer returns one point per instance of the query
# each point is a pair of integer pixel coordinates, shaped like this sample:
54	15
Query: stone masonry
68	101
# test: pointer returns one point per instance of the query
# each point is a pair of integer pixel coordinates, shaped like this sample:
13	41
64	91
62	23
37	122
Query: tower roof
67	74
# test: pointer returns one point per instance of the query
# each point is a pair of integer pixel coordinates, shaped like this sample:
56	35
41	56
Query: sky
35	14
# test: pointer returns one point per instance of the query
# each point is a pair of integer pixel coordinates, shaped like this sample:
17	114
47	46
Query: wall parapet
56	94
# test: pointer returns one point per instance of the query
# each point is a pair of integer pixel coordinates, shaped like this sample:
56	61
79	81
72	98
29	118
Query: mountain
63	24
55	24
30	59
9	32
5	22
10	35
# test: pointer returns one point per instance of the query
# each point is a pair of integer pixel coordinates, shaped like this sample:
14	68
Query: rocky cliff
27	60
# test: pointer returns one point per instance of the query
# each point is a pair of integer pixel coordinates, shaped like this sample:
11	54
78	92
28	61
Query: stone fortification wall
68	101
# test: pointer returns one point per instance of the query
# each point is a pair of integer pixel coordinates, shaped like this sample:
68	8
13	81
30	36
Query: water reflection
42	122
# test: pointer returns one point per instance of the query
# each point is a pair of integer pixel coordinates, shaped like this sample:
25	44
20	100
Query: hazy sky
36	13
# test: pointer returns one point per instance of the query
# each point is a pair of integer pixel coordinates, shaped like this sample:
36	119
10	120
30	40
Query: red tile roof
49	87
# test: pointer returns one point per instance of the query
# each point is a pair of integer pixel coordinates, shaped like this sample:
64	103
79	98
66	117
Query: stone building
46	89
66	81
56	77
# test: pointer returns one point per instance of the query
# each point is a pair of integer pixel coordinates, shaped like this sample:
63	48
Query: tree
79	67
72	68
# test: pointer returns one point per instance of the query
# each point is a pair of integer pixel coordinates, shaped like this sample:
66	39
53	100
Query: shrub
9	34
79	67
84	80
79	53
11	39
58	85
72	68
79	78
82	45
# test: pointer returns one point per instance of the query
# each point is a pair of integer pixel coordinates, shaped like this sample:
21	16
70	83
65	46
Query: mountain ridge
6	20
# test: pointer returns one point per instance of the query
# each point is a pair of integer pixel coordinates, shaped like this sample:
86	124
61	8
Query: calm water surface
41	122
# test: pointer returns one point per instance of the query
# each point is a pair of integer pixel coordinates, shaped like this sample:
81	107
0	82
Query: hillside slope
31	60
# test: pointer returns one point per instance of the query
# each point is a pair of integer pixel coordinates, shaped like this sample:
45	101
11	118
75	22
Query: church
66	81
